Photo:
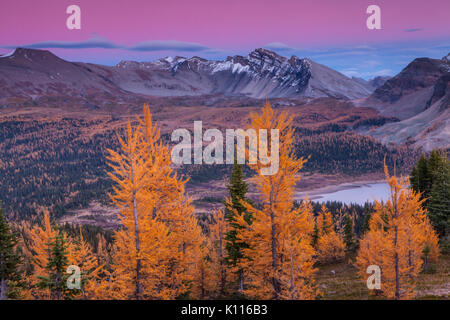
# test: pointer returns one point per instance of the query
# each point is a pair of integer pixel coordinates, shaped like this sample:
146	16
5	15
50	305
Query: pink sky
224	24
232	26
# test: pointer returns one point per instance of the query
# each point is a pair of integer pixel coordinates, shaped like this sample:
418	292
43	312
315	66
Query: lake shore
314	194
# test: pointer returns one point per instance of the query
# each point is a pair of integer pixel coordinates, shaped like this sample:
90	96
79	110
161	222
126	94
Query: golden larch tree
279	261
157	217
37	239
174	209
142	241
399	231
330	246
82	255
218	273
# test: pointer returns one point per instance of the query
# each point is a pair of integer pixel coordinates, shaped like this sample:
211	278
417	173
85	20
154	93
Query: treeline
360	214
264	249
91	234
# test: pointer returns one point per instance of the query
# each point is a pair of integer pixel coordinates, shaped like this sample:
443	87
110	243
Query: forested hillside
59	163
351	153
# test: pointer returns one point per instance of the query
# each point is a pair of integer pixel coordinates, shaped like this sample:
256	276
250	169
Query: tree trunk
138	292
397	272
241	281
202	286
274	258
138	249
397	275
292	284
58	290
3	282
240	274
222	267
274	247
3	289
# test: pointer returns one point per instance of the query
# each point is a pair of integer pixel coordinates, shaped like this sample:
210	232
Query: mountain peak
447	58
266	55
265	52
33	53
127	64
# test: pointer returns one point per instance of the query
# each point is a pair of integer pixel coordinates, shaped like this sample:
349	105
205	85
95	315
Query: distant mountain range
419	96
261	74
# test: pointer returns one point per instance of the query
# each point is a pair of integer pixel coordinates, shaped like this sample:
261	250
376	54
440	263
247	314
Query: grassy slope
345	284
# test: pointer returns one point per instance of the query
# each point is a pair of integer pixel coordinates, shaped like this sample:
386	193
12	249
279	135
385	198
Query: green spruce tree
430	178
367	215
420	178
57	264
237	189
349	236
315	235
10	278
439	204
435	163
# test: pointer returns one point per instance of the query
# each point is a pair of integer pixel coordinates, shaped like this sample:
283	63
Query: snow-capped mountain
260	74
30	75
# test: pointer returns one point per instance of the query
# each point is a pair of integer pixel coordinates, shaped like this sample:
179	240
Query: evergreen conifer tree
439	204
57	264
349	236
430	177
420	178
367	215
9	260
434	164
315	235
237	193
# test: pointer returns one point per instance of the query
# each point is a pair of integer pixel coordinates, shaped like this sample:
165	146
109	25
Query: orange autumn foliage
142	242
330	246
82	255
36	249
398	233
279	261
156	251
35	244
431	242
217	274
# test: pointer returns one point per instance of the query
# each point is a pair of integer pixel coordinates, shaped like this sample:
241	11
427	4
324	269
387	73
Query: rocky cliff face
410	92
420	97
